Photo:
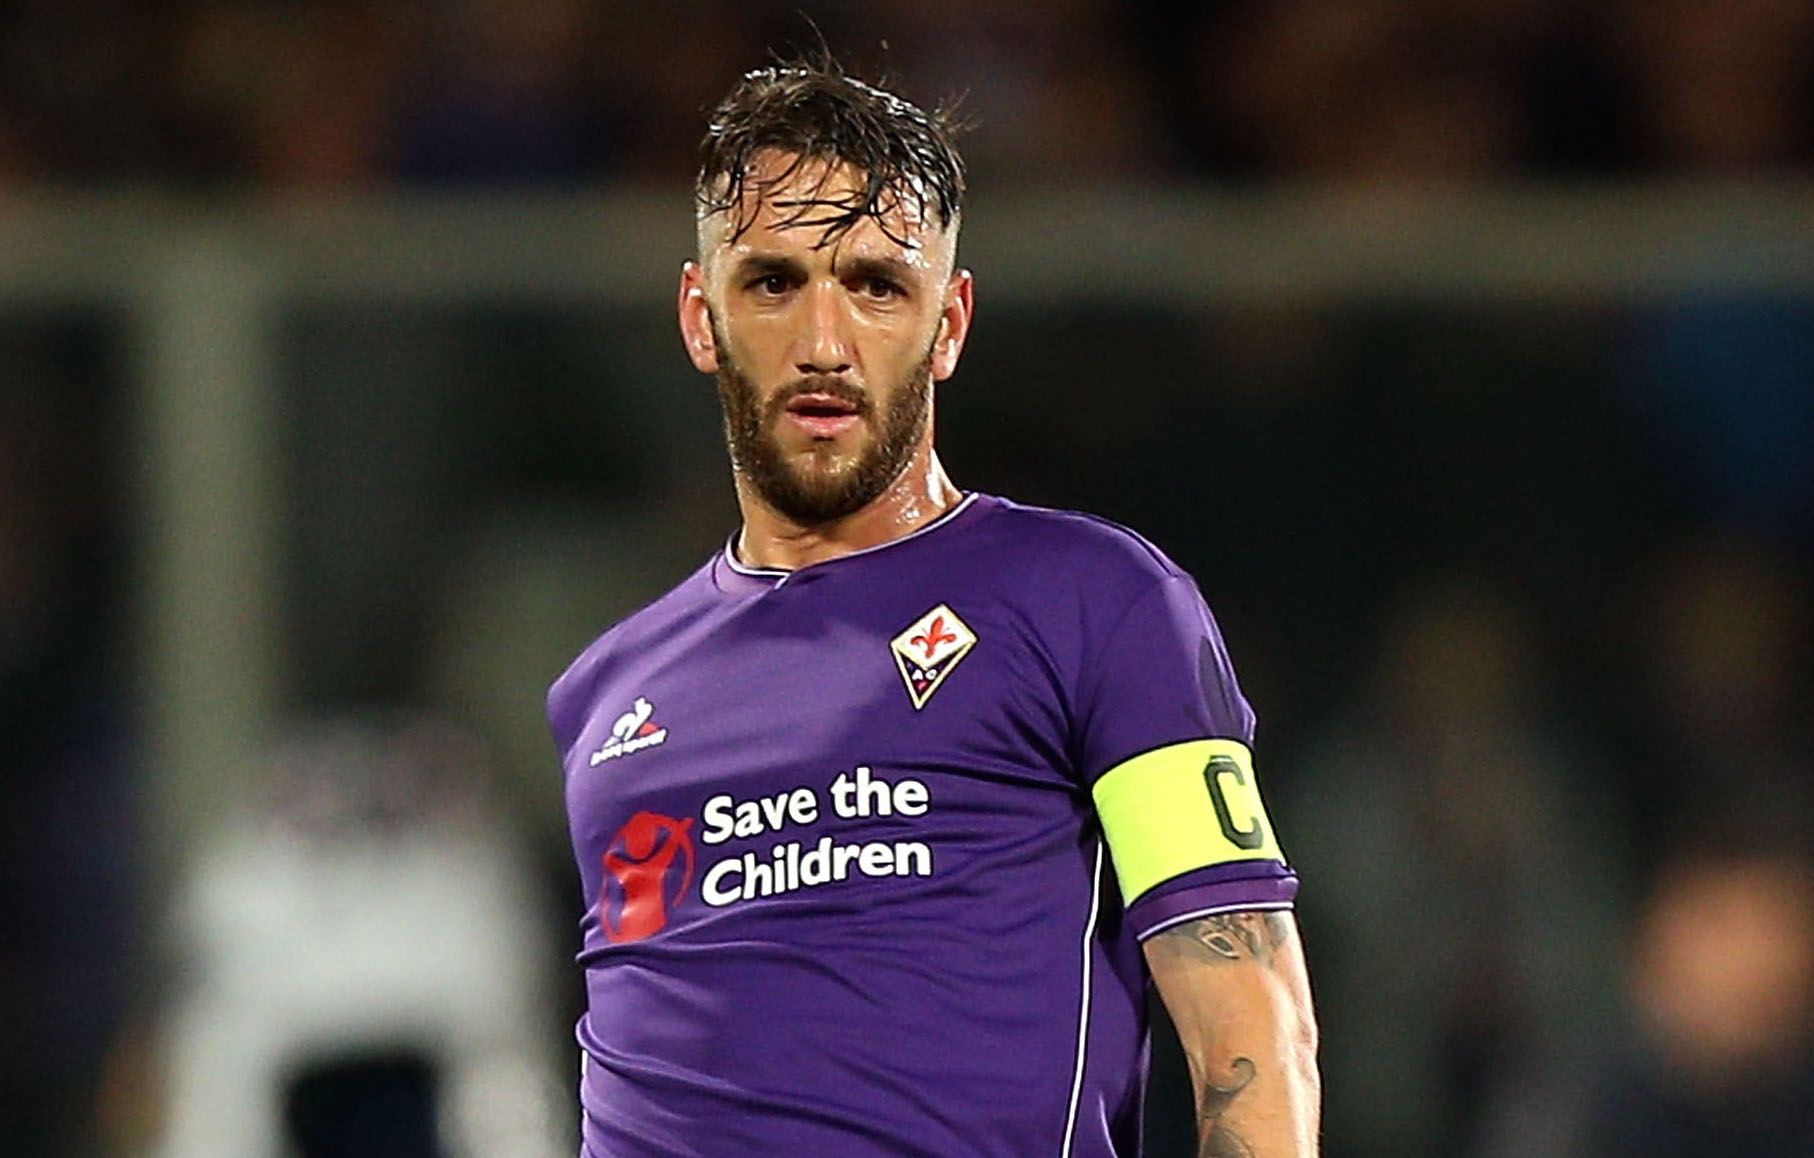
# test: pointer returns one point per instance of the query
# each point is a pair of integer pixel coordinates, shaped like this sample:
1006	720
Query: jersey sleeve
1166	743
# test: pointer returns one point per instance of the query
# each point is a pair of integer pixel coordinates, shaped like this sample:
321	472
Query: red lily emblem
935	635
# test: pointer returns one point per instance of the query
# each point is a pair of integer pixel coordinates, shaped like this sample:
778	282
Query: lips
822	415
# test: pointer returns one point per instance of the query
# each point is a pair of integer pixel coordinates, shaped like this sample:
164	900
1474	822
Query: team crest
927	651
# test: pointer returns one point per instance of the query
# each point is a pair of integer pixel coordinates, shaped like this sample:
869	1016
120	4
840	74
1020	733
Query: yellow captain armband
1182	807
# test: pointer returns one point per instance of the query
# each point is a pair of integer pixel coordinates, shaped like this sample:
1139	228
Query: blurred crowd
72	863
1525	601
309	94
1525	597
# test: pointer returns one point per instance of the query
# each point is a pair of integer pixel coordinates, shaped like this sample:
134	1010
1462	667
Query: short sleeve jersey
867	849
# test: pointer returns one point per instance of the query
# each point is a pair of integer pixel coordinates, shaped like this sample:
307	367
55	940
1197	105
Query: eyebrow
890	269
754	266
759	265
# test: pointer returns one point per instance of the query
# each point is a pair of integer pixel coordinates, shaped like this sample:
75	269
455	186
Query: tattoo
1249	935
1218	1140
1244	936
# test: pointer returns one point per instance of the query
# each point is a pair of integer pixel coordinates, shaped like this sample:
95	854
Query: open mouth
820	406
823	415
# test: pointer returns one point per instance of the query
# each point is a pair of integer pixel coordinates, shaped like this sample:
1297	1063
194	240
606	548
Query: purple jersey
867	848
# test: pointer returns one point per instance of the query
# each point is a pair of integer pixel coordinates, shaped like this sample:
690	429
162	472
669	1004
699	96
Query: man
886	814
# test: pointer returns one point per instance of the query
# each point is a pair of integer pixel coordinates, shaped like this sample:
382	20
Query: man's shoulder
572	688
1078	544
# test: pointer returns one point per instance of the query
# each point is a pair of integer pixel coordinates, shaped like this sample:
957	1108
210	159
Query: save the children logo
742	849
632	732
927	651
648	869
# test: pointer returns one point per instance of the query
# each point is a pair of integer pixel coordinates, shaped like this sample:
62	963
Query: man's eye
880	288
774	284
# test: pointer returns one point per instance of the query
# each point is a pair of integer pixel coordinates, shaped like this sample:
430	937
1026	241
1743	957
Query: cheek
755	345
890	347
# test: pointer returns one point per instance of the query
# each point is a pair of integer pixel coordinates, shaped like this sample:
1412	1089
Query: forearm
1236	988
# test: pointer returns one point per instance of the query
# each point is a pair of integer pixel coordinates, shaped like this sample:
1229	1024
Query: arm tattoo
1243	936
1218	1140
1222	939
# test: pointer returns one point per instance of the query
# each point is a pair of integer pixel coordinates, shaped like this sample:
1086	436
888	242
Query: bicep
1200	958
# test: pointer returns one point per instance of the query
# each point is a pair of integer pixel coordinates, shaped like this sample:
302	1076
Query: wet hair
811	110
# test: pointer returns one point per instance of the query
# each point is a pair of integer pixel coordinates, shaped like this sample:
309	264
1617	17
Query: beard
822	482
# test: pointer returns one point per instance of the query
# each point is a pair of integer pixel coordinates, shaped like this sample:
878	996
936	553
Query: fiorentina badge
926	652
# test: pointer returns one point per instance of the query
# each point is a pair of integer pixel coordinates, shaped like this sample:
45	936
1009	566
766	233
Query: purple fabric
1223	888
823	918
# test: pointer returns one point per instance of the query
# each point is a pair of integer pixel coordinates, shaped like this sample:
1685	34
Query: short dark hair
812	110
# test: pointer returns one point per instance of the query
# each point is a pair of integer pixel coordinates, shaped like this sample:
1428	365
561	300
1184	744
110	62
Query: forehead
788	204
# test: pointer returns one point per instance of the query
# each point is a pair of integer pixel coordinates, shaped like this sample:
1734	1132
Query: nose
823	345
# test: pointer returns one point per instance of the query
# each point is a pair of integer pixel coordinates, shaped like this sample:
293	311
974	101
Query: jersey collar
730	560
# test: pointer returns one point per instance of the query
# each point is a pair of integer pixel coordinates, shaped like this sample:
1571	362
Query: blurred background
1463	349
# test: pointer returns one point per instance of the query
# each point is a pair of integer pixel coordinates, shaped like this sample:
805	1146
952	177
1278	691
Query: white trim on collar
730	555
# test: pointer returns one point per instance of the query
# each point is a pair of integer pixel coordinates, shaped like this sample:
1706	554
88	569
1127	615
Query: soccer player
886	816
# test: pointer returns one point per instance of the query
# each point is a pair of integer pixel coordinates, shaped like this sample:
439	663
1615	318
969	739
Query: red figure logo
935	635
634	897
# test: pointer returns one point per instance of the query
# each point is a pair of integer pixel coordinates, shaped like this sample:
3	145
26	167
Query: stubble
821	483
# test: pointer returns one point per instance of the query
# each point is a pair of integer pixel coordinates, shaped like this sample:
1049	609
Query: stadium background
1463	349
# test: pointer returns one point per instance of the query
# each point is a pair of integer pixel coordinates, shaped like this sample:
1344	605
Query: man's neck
772	541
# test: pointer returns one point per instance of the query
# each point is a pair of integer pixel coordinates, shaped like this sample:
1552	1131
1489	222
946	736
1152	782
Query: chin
823	489
822	465
818	495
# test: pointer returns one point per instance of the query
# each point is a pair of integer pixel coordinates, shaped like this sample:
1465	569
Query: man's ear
696	319
953	325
